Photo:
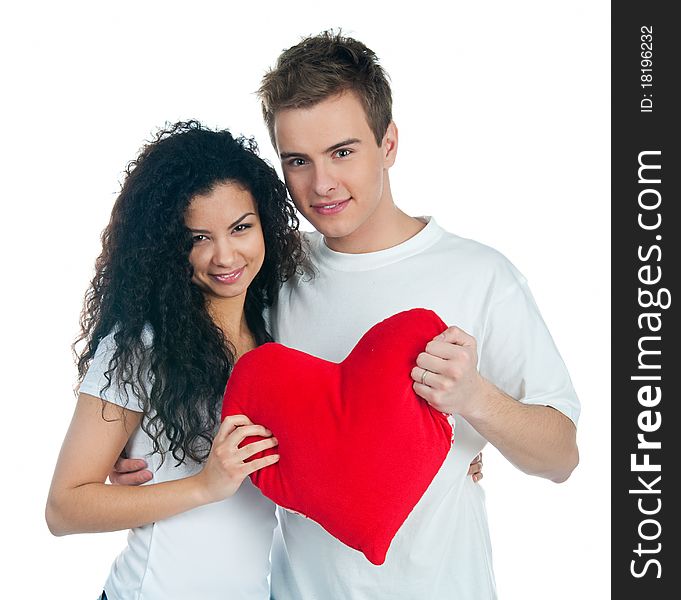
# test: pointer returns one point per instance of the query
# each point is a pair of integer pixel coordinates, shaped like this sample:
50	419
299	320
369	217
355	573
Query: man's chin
326	226
334	233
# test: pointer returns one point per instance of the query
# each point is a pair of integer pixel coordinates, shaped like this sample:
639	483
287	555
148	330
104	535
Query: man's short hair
322	66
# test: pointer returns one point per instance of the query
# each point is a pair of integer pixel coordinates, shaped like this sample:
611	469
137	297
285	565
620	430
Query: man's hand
538	440
130	471
446	375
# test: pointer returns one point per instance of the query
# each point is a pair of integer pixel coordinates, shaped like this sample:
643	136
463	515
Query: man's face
334	170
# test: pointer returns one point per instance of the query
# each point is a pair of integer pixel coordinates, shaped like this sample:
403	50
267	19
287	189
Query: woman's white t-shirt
216	551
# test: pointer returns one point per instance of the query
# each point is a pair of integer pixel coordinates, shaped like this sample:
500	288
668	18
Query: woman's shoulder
110	341
105	377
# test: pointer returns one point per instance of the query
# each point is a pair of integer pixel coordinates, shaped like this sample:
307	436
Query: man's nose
325	181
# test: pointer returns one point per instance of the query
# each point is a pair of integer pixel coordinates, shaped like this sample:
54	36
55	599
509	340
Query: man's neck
382	231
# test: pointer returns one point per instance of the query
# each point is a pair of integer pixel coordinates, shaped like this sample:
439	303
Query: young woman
200	239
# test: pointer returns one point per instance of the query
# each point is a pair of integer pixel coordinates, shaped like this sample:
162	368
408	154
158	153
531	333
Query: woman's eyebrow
241	218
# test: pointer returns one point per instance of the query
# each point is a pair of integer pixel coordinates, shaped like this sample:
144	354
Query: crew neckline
342	261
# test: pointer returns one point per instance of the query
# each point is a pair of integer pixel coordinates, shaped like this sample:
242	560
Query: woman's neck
228	314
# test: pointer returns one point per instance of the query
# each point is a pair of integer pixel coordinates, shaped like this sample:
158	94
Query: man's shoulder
310	237
475	255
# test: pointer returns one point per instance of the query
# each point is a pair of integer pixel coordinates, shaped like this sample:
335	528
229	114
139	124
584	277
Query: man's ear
389	145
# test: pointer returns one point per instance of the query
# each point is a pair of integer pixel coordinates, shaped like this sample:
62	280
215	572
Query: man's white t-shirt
443	549
212	552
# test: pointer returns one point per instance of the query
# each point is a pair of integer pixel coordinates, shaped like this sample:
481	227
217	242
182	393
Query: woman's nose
224	253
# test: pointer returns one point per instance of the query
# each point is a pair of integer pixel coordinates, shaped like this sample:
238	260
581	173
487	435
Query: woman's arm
79	501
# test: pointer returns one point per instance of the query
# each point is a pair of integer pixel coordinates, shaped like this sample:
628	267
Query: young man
327	105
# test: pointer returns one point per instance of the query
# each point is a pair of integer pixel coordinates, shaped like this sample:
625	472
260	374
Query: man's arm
538	440
133	471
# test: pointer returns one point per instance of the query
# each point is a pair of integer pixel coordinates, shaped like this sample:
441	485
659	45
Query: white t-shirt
443	549
212	552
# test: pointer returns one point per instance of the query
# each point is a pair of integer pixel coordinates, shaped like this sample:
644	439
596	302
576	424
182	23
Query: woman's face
229	248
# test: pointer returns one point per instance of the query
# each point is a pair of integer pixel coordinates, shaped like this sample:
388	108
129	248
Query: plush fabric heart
358	447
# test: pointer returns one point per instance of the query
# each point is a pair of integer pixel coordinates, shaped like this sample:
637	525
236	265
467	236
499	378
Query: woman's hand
475	468
226	466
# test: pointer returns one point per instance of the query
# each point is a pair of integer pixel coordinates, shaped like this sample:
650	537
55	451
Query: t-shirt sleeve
95	381
519	355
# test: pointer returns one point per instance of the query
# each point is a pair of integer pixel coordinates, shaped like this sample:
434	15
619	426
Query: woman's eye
198	238
242	227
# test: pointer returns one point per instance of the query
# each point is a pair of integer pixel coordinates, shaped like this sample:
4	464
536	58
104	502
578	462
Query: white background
503	113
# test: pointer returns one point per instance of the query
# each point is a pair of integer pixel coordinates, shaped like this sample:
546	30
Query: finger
431	396
425	392
254	447
477	477
456	335
446	350
229	424
432	363
129	465
474	468
260	463
241	433
135	478
475	465
426	378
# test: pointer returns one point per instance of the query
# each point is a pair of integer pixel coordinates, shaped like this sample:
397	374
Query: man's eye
297	162
344	152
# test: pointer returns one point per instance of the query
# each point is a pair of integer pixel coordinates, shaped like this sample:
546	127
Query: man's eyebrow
241	218
348	142
285	155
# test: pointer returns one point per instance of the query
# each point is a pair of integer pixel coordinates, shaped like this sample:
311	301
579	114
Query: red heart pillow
358	447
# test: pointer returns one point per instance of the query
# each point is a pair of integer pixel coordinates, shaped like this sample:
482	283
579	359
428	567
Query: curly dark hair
143	280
